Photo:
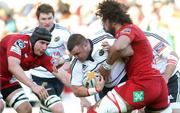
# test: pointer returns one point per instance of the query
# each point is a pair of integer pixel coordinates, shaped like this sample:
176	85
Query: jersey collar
90	53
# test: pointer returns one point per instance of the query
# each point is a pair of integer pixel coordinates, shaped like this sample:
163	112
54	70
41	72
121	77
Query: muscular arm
170	68
63	76
80	91
118	49
15	68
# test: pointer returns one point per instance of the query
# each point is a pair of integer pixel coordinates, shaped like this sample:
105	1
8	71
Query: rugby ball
90	78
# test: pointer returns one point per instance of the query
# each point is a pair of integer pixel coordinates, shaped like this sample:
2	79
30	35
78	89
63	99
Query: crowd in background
161	16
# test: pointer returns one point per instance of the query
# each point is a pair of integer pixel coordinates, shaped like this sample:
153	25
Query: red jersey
19	46
140	63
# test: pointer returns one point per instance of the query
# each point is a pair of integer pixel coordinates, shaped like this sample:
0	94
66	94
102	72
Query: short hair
44	8
113	11
74	40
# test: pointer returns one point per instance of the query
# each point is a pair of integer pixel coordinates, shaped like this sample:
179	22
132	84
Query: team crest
56	38
101	52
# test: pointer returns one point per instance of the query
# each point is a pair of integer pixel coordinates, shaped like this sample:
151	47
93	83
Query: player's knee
24	108
57	108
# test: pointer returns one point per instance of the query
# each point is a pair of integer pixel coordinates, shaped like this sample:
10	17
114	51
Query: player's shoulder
59	27
154	36
75	63
100	35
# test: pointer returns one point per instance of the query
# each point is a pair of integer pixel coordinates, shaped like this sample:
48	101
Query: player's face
108	27
40	47
46	20
81	52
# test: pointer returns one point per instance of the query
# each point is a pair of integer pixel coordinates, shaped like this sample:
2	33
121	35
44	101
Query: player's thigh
24	107
17	98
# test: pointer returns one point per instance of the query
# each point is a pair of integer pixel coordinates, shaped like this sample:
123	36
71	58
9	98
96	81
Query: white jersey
57	47
99	56
161	50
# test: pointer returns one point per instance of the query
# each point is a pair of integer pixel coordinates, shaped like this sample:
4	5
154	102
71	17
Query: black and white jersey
99	56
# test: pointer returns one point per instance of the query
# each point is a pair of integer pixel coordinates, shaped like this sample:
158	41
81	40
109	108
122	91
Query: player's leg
174	92
135	95
1	104
111	103
16	98
53	102
161	103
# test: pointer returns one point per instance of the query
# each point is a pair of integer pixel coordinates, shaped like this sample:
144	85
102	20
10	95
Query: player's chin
40	53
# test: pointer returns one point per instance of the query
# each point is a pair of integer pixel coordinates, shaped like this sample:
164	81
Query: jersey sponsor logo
84	67
56	39
159	47
20	43
126	30
16	50
170	97
138	96
101	52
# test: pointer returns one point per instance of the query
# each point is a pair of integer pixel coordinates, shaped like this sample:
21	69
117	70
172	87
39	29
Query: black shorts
174	87
56	87
5	92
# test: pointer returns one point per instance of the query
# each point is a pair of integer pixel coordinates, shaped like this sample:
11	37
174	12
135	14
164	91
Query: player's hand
100	84
40	91
84	103
105	45
60	62
104	73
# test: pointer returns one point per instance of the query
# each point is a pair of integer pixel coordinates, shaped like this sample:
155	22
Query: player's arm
172	60
117	49
63	76
120	49
82	91
128	51
15	68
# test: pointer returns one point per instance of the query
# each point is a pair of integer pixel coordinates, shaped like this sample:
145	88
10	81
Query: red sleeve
14	47
128	31
47	63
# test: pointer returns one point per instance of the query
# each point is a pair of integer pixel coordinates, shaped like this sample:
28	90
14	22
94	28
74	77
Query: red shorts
151	92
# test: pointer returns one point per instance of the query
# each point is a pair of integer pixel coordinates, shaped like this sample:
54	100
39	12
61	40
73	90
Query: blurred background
160	16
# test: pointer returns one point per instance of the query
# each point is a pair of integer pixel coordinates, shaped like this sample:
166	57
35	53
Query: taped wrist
92	91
